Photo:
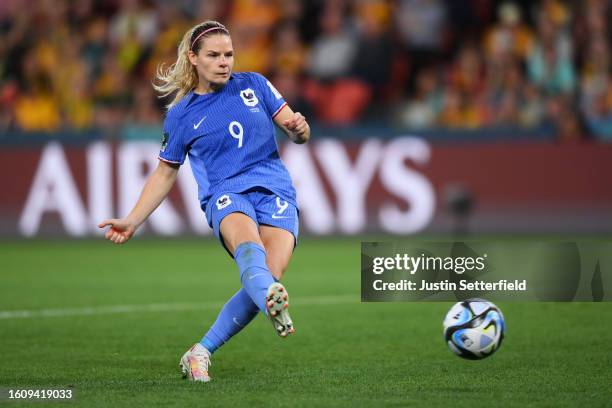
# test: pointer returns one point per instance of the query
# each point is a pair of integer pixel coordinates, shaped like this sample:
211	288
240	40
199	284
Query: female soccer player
225	121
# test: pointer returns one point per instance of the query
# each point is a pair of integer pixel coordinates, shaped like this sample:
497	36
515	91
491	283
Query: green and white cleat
277	303
195	362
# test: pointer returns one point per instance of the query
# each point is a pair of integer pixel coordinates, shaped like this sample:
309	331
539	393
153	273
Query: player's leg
241	237
235	315
240	308
237	228
251	257
278	229
279	244
239	234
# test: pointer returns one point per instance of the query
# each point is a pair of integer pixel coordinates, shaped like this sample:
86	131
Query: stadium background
430	118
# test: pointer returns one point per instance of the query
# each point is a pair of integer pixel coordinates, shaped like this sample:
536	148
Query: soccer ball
474	329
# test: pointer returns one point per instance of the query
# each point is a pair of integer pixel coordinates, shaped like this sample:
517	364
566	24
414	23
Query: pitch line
159	307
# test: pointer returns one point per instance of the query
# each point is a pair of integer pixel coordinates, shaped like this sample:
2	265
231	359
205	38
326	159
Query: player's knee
236	229
235	241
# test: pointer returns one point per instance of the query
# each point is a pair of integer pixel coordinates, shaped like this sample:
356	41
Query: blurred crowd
418	64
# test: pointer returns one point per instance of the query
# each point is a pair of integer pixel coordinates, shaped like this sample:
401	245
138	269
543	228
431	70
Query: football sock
236	314
254	273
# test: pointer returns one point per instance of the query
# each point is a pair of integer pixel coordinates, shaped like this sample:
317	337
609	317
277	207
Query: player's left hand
299	127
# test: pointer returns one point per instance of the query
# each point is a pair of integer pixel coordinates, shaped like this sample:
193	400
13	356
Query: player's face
214	61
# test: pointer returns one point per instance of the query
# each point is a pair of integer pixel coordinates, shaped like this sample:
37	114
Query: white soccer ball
474	328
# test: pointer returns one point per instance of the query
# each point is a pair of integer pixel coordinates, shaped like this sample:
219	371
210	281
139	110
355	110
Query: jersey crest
248	97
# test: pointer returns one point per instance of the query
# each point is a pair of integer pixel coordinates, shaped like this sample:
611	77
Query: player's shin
236	314
254	273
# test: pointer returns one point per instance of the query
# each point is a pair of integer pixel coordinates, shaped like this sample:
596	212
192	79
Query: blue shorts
261	205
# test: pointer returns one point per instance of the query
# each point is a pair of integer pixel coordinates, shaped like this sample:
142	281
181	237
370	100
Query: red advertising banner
400	186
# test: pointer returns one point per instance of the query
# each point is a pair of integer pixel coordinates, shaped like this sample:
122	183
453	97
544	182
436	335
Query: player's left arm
293	124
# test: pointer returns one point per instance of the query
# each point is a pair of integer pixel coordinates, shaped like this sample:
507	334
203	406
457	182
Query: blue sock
236	314
254	273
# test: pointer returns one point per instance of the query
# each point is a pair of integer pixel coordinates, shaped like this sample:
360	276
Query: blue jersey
229	137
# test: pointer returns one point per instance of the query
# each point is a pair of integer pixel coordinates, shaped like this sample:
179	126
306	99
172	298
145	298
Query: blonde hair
181	77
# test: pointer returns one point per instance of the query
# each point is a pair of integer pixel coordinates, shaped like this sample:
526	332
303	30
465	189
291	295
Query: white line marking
160	307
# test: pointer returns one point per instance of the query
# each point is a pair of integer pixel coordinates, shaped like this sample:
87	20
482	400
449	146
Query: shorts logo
223	202
248	97
282	206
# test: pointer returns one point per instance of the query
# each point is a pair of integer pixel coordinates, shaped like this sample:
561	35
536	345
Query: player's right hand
120	230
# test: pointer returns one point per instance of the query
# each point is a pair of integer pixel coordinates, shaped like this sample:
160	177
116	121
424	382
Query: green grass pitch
118	318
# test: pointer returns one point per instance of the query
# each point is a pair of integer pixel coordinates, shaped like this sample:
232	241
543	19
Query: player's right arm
156	188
